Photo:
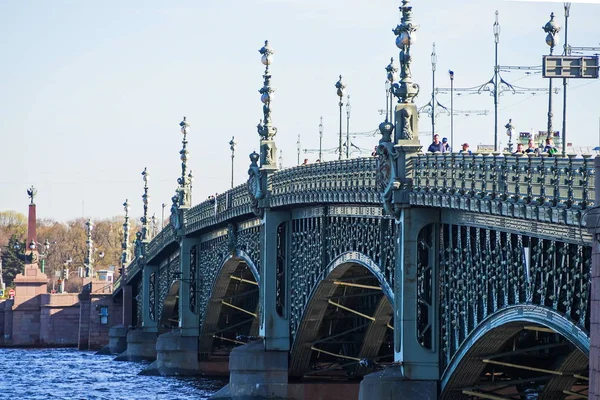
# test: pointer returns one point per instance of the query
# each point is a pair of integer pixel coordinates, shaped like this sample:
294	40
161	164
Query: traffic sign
11	293
570	67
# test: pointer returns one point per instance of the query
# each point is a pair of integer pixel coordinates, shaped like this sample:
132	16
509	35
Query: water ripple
69	374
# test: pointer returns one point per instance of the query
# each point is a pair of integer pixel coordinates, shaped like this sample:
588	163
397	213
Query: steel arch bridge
472	271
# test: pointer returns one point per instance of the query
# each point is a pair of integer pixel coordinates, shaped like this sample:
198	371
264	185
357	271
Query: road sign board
11	292
570	66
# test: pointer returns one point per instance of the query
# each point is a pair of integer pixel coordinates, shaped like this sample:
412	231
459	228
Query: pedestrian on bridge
436	146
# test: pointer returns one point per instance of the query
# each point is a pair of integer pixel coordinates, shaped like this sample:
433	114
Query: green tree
11	263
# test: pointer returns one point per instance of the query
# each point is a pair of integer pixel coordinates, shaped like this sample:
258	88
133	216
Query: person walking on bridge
436	146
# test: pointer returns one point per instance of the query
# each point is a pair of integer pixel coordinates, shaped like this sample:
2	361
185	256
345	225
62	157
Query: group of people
549	148
443	146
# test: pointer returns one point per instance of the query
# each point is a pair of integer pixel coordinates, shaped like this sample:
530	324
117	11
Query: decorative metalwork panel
139	306
166	276
316	241
484	270
210	258
426	261
152	297
541	188
248	240
193	273
306	265
281	295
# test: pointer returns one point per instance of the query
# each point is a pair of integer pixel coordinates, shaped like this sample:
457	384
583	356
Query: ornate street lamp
551	28
184	191
433	67
281	159
341	93
321	140
348	108
89	258
495	80
566	46
510	131
145	199
392	76
266	130
451	74
298	148
125	255
232	144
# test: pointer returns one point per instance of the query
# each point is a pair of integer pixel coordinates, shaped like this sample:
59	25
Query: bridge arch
169	317
508	327
232	309
348	317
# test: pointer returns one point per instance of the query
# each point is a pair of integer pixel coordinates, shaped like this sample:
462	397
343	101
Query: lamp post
298	148
510	130
162	216
89	258
340	92
44	255
280	158
184	191
451	74
433	66
495	80
551	28
145	199
566	45
348	108
232	145
392	76
321	139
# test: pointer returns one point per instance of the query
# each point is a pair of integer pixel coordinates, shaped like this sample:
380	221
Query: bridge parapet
233	203
160	241
553	189
352	181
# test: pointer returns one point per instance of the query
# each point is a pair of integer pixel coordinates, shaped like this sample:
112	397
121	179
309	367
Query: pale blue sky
92	92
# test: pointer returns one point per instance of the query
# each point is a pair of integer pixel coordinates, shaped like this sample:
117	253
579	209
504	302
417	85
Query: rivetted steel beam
358	285
335	355
575	394
538	328
499	385
485	395
238	308
232	326
517	366
585	378
351	310
244	280
527	350
228	340
341	333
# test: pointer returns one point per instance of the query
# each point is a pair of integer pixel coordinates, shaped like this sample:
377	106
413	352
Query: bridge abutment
390	384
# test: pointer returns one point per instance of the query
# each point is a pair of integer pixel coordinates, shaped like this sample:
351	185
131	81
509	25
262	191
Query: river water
40	374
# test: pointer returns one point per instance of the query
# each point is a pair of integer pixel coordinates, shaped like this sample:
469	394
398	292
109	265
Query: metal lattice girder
335	355
238	308
244	280
351	310
228	340
356	285
232	326
547	371
527	350
538	329
485	395
575	394
341	333
494	386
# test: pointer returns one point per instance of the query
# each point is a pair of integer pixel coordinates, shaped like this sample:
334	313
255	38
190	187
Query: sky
91	93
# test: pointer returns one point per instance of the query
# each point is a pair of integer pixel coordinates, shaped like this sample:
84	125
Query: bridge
448	276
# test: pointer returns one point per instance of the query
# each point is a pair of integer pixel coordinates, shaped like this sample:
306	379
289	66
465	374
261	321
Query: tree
12	223
12	265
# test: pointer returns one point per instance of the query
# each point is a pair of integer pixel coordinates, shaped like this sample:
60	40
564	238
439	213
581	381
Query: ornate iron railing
346	181
233	203
160	241
554	181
